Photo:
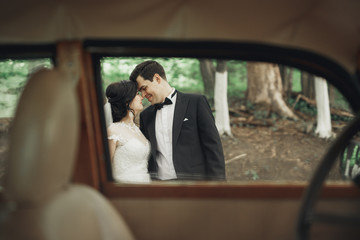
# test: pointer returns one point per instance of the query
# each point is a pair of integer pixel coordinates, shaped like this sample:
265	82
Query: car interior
55	171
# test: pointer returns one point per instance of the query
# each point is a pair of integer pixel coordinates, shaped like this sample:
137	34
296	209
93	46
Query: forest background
264	146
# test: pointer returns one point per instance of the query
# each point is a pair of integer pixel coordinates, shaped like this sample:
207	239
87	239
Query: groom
185	143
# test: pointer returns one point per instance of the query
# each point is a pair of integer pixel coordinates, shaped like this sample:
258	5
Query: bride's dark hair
119	95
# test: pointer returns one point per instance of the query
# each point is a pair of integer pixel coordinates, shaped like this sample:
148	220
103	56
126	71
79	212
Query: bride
129	149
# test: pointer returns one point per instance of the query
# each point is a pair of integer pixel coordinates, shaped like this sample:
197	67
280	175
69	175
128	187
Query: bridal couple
177	139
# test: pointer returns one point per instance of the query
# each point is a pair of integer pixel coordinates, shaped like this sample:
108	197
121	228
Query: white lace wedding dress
132	151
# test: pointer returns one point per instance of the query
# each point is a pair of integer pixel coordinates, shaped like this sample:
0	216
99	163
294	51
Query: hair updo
119	95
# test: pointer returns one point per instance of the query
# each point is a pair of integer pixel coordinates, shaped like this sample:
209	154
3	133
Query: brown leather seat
42	203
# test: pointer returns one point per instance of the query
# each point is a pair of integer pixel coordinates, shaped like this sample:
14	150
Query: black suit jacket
197	149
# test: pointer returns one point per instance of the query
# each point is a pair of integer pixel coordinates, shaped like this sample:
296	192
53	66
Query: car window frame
304	60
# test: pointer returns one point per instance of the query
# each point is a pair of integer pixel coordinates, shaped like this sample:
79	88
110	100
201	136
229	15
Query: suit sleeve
210	141
152	167
142	127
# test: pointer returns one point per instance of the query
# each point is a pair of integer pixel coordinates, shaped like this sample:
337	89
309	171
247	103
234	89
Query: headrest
43	138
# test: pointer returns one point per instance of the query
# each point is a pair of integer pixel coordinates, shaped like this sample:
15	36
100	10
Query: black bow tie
167	101
159	106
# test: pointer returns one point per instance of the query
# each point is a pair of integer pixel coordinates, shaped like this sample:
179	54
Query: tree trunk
323	128
222	118
207	70
307	85
332	95
265	88
286	79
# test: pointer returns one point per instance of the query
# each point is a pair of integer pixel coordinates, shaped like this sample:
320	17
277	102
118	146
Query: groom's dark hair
147	70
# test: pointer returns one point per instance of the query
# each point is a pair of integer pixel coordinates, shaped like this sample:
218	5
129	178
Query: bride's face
136	103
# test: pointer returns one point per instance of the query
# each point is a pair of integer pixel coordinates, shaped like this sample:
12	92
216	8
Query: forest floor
278	150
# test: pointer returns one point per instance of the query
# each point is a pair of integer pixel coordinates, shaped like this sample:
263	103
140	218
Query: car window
280	120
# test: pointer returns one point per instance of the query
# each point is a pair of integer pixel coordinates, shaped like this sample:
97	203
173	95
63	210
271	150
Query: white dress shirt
163	131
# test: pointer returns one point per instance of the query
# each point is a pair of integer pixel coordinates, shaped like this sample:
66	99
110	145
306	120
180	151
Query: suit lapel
180	109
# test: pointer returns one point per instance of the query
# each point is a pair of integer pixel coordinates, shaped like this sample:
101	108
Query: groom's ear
157	78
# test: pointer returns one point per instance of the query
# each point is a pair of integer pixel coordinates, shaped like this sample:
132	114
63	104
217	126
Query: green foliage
182	73
296	80
253	174
303	107
354	158
340	101
261	114
250	106
311	110
13	77
237	78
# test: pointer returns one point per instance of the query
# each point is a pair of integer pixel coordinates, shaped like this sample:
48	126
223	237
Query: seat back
41	201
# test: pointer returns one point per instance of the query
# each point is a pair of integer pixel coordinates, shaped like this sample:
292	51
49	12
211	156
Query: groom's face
150	89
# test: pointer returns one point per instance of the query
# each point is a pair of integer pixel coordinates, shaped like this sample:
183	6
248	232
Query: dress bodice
132	152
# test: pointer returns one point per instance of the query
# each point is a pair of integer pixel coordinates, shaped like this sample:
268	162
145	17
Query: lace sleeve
117	139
